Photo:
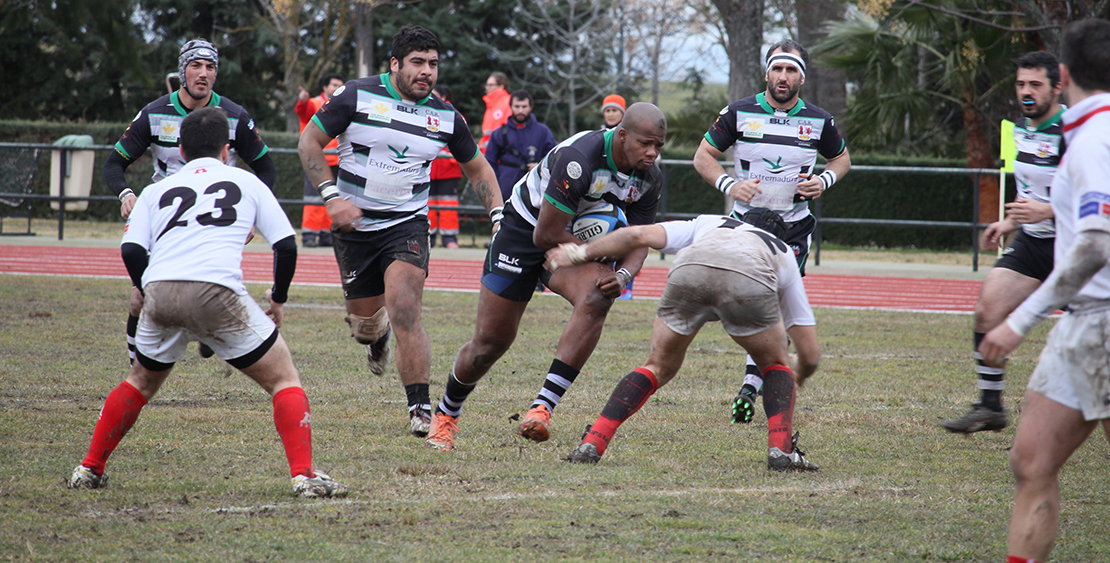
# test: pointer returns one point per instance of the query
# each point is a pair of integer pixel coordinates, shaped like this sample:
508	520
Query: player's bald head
645	119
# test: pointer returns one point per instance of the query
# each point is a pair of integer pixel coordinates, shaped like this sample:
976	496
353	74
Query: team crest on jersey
379	112
433	123
752	127
574	170
805	131
1044	149
168	131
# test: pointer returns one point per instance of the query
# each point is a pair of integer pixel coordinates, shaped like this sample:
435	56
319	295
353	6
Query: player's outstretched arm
617	243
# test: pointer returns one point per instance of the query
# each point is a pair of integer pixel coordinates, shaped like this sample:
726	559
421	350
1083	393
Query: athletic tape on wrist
828	178
576	253
327	190
626	275
724	183
496	214
126	192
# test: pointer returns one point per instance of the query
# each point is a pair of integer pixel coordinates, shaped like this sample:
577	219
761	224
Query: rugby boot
743	407
319	486
586	452
420	422
978	419
537	423
85	478
778	460
441	435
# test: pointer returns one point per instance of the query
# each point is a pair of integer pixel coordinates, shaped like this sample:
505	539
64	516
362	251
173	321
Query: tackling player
158	125
725	270
775	137
390	128
183	247
617	166
1069	391
1026	263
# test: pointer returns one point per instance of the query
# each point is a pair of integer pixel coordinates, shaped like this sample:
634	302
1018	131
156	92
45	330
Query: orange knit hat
614	101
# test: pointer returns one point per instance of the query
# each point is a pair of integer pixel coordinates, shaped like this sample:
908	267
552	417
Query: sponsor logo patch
168	131
1094	203
751	127
379	112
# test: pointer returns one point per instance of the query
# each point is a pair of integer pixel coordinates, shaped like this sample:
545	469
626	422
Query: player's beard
791	93
407	89
521	118
1036	111
196	97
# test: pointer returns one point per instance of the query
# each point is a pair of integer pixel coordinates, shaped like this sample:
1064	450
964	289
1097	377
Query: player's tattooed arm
484	182
311	150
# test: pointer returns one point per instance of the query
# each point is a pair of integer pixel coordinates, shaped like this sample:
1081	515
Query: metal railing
478	212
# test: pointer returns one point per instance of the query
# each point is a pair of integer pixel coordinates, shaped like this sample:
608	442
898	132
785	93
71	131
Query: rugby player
1027	261
775	137
1069	392
617	166
183	247
159	125
390	128
725	270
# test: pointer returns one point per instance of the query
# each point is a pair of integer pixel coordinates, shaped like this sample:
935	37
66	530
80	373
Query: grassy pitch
202	475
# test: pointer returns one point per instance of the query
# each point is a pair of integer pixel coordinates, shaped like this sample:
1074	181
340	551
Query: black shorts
363	256
514	264
1029	256
797	237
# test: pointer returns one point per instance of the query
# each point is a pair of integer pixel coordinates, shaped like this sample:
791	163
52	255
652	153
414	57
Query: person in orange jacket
444	191
315	222
497	106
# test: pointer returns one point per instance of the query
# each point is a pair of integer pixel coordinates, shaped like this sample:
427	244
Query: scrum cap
197	49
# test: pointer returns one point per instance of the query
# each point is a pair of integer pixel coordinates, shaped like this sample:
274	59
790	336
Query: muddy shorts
1074	368
697	294
178	312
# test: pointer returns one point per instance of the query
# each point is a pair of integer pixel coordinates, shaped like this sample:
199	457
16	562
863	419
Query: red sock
294	425
1016	559
627	398
121	410
778	402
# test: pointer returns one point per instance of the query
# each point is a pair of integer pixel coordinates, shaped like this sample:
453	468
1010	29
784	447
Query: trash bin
79	171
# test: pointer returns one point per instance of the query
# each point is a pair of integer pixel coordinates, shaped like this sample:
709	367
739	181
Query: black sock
990	379
560	377
454	396
132	330
417	394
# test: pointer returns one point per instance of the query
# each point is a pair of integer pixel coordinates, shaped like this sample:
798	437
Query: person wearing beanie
612	111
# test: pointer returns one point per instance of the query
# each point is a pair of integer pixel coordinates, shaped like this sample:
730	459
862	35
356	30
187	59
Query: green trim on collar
397	95
175	99
761	98
608	135
1054	120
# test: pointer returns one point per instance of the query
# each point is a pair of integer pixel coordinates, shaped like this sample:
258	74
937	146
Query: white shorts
178	312
697	294
1074	368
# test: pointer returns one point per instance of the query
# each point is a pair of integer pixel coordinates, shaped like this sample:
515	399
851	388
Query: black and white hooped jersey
195	222
727	243
579	172
1039	150
158	126
775	147
387	145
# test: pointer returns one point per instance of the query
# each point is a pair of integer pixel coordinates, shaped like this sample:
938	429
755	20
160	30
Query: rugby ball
597	221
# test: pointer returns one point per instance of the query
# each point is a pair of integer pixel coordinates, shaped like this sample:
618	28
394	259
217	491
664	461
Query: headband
197	49
788	58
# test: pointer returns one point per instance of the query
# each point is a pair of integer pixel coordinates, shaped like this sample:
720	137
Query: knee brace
368	330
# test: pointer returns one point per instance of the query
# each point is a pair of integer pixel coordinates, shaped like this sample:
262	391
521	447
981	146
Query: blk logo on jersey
1094	203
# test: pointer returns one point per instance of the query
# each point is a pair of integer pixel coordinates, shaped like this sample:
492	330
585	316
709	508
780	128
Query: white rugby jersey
1038	154
387	145
775	147
158	126
194	223
721	238
1081	189
578	173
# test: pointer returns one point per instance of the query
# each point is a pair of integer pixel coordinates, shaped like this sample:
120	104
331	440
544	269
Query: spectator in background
518	145
497	106
444	190
315	222
612	111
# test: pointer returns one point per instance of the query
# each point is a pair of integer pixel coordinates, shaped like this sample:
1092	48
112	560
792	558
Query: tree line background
905	78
